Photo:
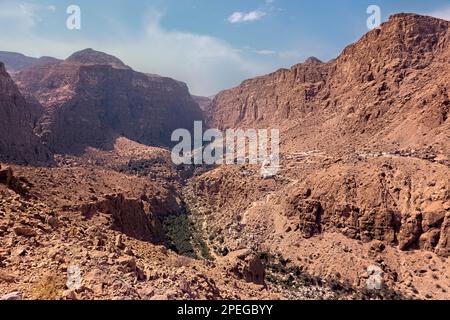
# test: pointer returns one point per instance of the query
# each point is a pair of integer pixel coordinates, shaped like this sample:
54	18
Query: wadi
93	205
234	147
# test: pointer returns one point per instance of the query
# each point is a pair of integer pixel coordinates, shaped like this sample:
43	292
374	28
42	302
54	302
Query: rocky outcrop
92	98
443	246
82	258
132	217
246	265
396	205
309	212
19	184
270	100
17	139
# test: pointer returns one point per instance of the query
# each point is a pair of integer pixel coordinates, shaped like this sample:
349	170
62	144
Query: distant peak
413	18
411	25
91	56
313	60
403	15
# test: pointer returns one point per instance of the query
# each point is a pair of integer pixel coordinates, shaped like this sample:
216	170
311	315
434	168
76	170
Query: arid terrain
87	184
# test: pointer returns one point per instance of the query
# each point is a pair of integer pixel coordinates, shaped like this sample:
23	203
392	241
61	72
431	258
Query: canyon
87	179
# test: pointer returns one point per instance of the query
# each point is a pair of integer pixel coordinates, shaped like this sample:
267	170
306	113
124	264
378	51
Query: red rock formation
91	98
132	217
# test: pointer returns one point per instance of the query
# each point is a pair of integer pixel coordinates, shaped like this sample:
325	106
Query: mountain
15	62
389	91
92	57
92	97
365	147
203	102
17	139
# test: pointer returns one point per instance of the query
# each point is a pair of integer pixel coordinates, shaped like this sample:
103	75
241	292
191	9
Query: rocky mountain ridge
15	62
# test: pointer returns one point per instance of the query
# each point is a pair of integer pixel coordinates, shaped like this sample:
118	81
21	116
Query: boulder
12	296
246	265
25	231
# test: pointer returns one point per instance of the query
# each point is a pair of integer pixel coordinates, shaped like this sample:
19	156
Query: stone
56	253
20	251
146	293
443	247
429	240
24	231
53	222
309	212
377	246
410	231
7	278
129	263
69	295
246	265
119	242
160	297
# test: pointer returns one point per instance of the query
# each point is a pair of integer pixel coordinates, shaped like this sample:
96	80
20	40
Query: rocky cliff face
270	100
388	91
91	98
17	139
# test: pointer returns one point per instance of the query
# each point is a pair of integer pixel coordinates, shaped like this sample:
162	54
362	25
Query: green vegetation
281	273
184	238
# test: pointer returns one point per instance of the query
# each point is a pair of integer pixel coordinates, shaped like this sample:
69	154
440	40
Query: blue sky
210	44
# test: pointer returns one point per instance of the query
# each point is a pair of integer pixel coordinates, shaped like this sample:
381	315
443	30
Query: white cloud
239	17
443	13
207	64
284	55
294	55
265	52
22	15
